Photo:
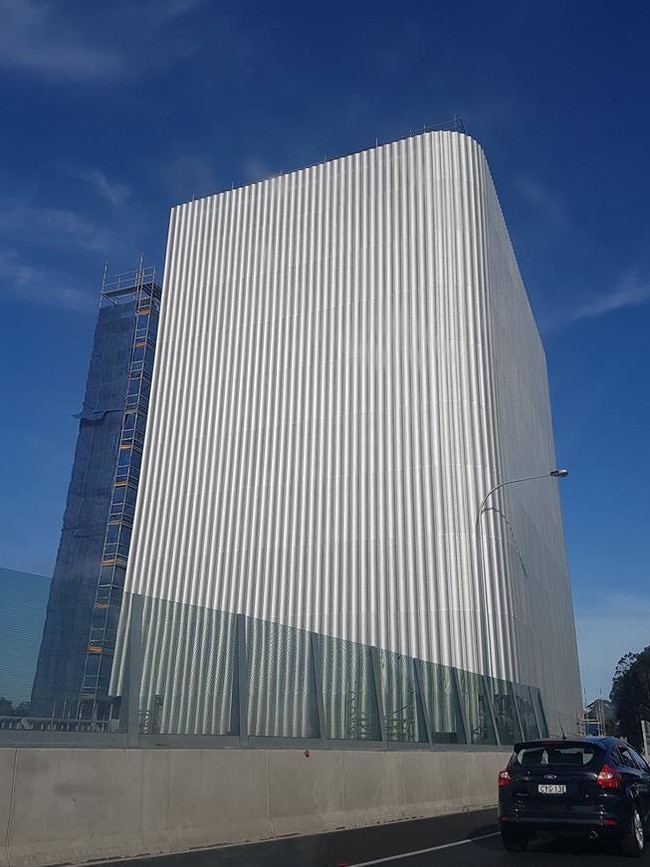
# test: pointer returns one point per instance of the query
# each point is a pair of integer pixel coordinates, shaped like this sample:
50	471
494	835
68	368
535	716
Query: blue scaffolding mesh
75	659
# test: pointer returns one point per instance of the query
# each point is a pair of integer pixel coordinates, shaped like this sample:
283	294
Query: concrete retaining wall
74	805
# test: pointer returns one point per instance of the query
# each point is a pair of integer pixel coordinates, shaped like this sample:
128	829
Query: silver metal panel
346	363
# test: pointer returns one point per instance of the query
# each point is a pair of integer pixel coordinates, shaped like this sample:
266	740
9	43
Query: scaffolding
139	283
592	721
138	293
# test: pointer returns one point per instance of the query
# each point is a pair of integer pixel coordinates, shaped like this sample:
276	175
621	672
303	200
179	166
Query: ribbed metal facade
347	362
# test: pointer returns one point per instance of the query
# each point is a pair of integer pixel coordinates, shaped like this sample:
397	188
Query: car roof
605	743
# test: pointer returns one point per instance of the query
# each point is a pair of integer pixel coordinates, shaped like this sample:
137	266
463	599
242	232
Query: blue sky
114	110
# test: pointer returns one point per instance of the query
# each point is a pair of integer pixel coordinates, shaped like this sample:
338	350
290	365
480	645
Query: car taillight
504	778
608	778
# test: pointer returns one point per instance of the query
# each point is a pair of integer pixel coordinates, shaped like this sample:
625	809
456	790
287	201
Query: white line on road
423	851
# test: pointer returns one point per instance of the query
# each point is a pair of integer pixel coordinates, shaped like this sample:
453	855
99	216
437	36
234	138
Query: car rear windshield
585	756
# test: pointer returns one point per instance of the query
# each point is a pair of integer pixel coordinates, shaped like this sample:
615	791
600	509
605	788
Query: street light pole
553	474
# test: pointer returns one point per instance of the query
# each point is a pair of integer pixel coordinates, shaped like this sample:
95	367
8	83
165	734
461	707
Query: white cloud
35	38
52	226
613	625
36	286
114	193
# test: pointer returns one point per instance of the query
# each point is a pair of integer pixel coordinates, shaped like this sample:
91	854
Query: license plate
551	789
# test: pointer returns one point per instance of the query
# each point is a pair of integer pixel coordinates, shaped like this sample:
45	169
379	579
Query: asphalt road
462	840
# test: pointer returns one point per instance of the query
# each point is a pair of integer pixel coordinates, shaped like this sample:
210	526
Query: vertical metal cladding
346	363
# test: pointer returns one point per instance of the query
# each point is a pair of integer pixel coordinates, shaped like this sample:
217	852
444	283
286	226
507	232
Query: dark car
596	786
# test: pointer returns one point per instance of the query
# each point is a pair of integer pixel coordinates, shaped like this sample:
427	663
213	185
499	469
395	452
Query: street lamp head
559	474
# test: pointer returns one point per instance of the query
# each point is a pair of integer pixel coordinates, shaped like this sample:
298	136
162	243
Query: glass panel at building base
350	705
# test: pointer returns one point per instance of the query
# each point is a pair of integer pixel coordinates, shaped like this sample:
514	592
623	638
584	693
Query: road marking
423	851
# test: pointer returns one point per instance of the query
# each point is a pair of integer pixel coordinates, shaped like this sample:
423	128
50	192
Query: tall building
78	644
23	602
347	362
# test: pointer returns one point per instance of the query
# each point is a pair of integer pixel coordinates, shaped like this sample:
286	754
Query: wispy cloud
176	8
112	192
256	170
71	42
544	200
613	625
52	227
35	37
630	291
188	176
37	286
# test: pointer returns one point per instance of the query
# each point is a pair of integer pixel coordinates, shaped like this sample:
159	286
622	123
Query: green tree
630	694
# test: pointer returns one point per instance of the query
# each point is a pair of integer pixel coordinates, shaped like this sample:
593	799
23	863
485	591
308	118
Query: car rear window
584	756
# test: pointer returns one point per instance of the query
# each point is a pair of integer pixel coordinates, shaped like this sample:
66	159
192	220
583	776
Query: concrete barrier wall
74	805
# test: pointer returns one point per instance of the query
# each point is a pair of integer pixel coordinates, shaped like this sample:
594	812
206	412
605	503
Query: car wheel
514	840
633	842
